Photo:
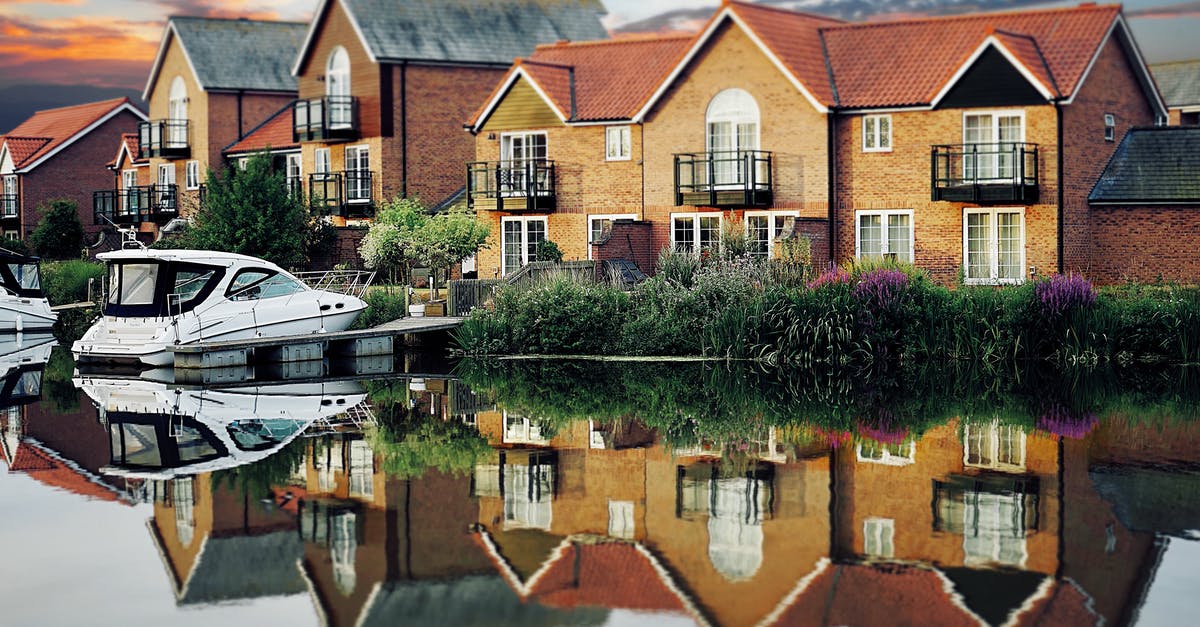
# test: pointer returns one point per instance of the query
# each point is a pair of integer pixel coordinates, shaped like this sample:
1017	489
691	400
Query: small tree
404	236
251	212
59	234
448	238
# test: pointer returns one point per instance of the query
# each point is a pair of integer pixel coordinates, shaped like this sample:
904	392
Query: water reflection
555	493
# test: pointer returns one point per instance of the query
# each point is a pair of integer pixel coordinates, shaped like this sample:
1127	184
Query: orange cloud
95	51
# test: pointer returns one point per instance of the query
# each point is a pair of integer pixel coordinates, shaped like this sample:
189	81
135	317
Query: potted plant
416	307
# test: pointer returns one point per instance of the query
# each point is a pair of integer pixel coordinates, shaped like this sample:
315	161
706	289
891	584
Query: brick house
384	88
131	197
962	144
213	80
1179	82
1144	208
55	154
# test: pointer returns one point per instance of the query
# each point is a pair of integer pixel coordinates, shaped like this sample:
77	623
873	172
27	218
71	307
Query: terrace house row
54	155
212	81
962	144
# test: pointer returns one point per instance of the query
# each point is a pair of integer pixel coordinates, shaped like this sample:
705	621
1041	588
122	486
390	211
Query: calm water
532	493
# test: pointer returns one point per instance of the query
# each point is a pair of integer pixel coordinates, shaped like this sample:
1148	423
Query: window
877	133
616	143
12	235
878	537
165	194
898	454
731	128
362	469
763	228
1110	127
990	138
183	501
695	232
321	161
293	174
337	89
994	446
993	529
358	177
177	112
528	495
994	245
8	203
597	224
885	235
191	175
520	154
520	240
620	519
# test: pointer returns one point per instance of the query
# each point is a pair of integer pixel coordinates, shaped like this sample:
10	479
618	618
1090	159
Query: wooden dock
379	340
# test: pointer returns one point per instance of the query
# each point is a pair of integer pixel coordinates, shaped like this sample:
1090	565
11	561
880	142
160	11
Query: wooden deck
378	340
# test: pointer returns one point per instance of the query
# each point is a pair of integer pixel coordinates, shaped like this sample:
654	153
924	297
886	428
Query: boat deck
378	340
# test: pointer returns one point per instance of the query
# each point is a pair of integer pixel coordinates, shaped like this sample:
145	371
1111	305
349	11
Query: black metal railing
164	138
349	193
10	208
325	191
984	173
511	185
327	118
132	205
723	179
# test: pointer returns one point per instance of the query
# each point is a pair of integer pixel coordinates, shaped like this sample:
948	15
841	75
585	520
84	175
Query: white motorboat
23	306
161	298
162	431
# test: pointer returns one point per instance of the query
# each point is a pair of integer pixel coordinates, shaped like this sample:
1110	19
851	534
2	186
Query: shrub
677	267
59	234
548	251
67	281
382	306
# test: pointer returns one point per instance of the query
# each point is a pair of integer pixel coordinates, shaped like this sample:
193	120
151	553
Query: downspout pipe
404	129
1058	112
832	201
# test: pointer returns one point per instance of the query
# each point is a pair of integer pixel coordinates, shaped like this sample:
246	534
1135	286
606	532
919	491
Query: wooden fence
466	294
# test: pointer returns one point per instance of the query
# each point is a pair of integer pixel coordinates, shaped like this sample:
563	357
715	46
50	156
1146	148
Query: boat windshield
153	441
20	276
27	275
150	288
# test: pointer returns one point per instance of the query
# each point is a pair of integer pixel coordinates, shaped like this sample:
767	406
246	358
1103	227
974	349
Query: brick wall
1144	244
817	232
628	240
1111	88
74	173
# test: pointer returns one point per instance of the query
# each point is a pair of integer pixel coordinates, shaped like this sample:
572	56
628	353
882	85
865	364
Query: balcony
511	185
985	173
169	139
10	210
134	205
332	118
347	193
730	180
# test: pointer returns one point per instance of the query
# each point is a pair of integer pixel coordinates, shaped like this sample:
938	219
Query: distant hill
18	102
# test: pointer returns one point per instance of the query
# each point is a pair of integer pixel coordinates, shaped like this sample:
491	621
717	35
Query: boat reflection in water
23	359
160	431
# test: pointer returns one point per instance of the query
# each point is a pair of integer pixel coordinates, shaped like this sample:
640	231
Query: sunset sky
110	43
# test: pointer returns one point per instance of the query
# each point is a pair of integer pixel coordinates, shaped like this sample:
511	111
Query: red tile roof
39	464
275	133
129	142
899	595
46	130
870	70
613	575
795	40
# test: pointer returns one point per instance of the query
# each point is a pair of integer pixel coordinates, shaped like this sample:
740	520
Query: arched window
177	114
337	88
731	124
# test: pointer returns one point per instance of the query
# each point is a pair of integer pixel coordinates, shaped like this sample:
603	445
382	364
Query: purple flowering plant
1062	293
880	289
832	276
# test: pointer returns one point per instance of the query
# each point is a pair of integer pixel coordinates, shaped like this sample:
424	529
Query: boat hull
25	314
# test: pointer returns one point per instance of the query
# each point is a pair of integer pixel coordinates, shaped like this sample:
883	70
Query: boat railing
349	282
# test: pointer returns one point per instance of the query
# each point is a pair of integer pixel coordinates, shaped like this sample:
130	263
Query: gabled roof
47	467
46	132
274	133
1152	166
237	54
1179	82
910	62
129	150
593	81
461	31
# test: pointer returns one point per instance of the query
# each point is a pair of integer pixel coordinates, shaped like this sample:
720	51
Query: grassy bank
858	318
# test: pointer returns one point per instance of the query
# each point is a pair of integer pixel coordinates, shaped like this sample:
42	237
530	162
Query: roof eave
124	106
992	41
516	73
1145	78
319	17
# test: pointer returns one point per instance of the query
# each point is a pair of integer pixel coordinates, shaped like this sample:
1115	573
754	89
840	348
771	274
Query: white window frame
12	235
996	115
621	138
191	175
9	185
321	162
525	254
884	214
1110	127
738	108
592	217
770	215
292	160
357	150
621	522
874	532
242	162
908	456
875	134
695	216
993	246
337	84
990	435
